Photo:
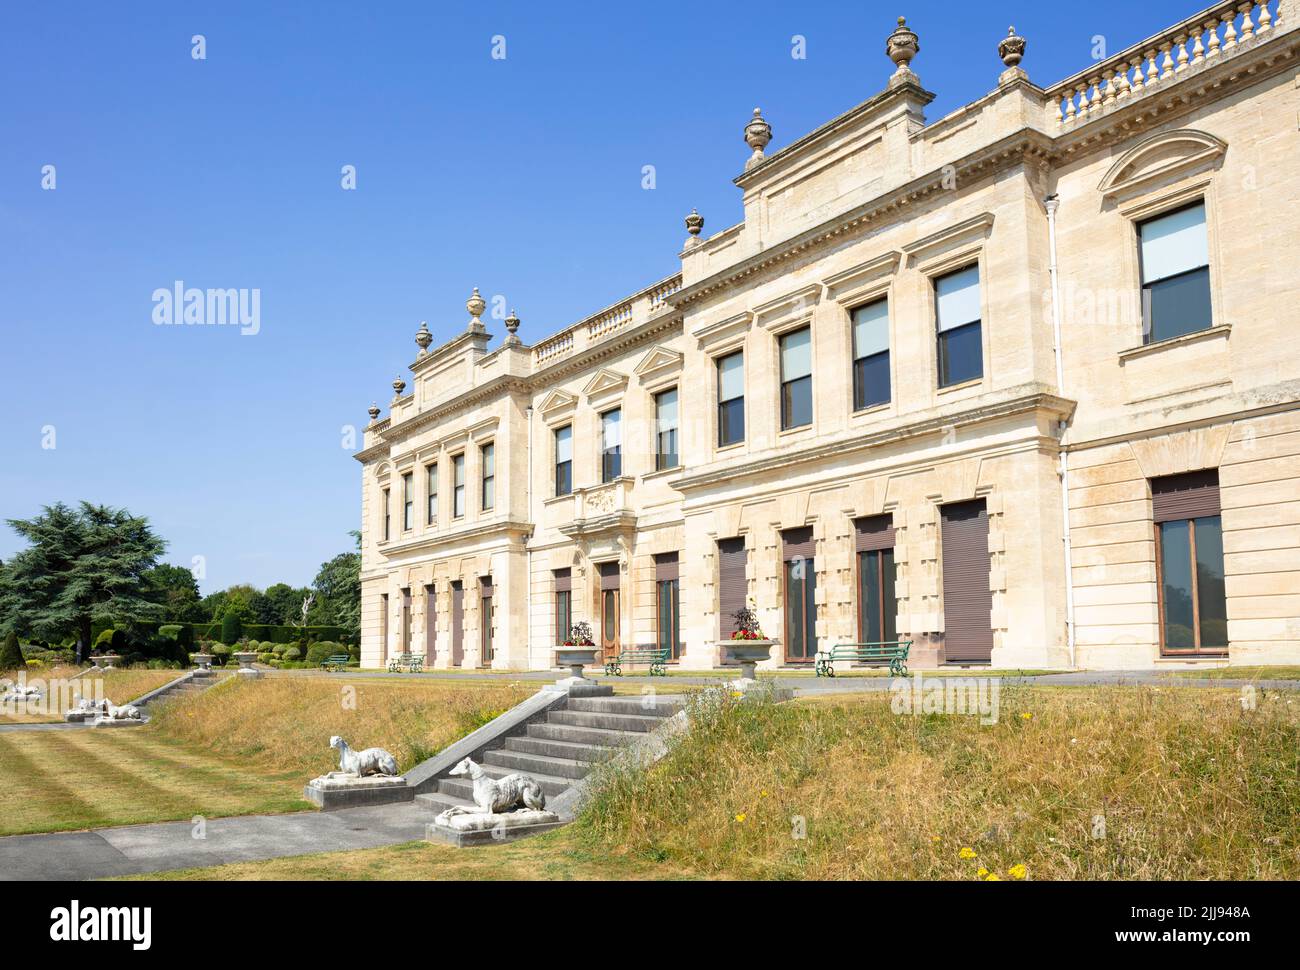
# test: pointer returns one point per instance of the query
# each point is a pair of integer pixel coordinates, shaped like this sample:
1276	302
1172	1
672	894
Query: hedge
265	632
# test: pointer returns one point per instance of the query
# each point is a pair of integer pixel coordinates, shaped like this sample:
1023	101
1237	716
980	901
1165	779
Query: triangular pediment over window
557	403
658	362
1162	157
605	383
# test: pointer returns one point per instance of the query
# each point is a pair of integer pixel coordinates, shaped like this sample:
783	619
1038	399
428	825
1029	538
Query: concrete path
157	847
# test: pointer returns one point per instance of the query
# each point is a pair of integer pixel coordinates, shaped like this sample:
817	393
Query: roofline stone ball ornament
494	796
1011	48
371	761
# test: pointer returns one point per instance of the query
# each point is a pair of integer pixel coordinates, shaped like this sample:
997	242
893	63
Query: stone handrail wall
1153	63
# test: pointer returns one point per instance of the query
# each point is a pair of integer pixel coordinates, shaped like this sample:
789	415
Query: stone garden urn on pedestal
106	661
203	661
575	658
245	660
747	654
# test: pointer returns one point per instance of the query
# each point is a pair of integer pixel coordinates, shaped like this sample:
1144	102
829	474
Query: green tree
338	592
81	565
282	604
174	588
11	655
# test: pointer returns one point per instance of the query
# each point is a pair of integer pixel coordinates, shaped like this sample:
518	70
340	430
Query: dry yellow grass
284	723
1095	783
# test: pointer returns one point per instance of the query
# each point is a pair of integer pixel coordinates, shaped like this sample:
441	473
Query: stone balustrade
1155	62
624	315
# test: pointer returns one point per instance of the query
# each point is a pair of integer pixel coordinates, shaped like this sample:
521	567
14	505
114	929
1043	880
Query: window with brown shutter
563	604
1192	601
457	623
732	589
800	595
967	599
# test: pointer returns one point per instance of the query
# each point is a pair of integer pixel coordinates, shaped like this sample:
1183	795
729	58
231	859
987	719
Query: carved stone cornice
430	543
1025	145
838	447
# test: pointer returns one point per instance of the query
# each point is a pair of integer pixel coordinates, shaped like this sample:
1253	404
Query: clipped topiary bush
232	627
293	653
11	655
318	651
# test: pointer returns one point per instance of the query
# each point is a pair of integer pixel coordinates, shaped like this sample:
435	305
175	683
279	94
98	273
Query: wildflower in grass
982	872
934	838
1017	871
740	817
992	877
966	852
1026	716
763	793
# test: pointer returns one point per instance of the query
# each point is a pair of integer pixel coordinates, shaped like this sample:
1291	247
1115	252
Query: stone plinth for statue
487	828
341	789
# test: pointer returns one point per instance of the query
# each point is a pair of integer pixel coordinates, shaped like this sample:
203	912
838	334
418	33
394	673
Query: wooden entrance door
608	608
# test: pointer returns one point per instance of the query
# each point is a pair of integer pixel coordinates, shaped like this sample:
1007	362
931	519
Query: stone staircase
560	747
178	689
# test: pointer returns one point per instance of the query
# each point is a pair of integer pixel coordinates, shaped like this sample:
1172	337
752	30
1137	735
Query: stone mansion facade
1020	385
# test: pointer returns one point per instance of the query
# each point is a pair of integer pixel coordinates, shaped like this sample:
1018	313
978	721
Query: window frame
886	616
855	358
388	514
487	476
458	488
661	456
408	501
939	335
1147	322
1198	649
717	384
607	474
431	493
567	464
786	405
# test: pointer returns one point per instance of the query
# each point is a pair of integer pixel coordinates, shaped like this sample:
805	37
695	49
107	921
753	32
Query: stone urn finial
1012	48
475	305
512	326
694	223
399	386
901	46
757	134
373	411
423	338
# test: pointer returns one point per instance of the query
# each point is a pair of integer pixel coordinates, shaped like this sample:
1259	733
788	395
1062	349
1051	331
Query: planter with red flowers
747	647
577	651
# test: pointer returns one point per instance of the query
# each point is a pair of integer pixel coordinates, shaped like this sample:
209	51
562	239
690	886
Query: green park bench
336	662
892	652
410	662
656	657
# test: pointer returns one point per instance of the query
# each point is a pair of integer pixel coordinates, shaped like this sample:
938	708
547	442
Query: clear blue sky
521	176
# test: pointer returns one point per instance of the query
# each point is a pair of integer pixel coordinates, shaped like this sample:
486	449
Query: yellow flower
934	838
740	817
966	852
1026	716
763	793
992	877
982	871
1017	871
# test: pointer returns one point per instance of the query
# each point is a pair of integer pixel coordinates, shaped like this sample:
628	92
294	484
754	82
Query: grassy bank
242	747
1098	783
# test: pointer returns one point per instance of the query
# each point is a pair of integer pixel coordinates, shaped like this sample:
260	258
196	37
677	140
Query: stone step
614	722
439	802
534	764
573	750
464	787
662	707
581	735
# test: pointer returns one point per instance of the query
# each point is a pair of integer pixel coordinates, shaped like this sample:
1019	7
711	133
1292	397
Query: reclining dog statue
20	692
85	709
495	795
371	761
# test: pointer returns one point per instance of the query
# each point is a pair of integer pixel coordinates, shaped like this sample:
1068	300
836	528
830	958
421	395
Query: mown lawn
242	747
1239	673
